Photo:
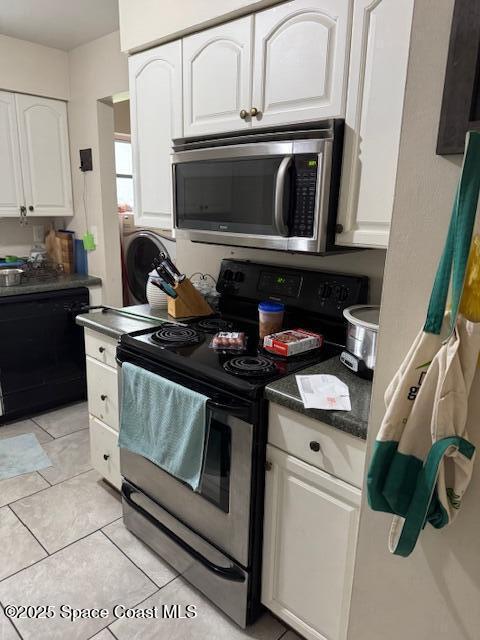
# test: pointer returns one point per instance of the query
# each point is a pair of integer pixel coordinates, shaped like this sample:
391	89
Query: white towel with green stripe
423	460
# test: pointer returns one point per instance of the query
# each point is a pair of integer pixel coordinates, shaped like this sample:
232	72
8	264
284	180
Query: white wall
98	70
435	593
193	257
32	68
144	23
121	117
26	67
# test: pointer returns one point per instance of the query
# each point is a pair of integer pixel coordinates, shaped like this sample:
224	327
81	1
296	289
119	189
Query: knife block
189	302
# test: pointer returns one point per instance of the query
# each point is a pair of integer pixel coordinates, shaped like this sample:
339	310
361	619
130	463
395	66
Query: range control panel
322	292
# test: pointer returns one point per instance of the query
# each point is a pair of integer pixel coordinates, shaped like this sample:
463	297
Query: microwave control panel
323	292
306	171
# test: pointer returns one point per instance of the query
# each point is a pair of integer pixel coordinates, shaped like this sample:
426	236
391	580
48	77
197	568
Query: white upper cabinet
156	118
310	532
11	187
376	88
45	156
301	55
217	78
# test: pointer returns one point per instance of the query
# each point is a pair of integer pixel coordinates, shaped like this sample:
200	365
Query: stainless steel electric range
214	536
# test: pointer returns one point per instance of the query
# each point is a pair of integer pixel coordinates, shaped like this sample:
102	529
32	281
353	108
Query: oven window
227	195
215	485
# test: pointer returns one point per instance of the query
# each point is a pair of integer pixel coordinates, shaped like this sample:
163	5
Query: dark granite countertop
355	422
114	324
64	282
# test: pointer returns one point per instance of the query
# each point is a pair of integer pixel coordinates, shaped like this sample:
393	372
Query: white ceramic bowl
156	298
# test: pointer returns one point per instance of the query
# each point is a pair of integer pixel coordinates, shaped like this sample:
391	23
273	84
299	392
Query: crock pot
362	333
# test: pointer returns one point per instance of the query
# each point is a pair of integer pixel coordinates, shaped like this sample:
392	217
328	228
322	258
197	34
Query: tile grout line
40	427
50	485
57	483
135	564
50	555
30	531
11	622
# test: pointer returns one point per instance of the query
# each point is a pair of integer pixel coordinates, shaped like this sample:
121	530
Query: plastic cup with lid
270	316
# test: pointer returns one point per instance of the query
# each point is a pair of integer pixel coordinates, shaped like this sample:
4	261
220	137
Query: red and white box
292	342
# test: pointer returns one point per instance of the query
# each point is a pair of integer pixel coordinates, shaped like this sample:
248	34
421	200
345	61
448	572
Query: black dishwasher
42	352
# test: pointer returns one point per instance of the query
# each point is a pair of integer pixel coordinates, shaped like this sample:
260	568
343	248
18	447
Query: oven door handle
238	411
227	573
280	226
231	410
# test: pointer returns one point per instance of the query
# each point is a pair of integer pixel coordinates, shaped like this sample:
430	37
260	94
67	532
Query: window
123	168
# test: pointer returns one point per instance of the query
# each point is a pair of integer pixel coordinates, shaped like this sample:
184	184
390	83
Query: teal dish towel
163	422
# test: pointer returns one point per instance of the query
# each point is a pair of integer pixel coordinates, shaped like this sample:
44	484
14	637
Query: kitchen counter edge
355	422
64	282
115	324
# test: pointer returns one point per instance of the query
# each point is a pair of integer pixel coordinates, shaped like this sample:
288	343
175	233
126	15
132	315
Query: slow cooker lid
363	315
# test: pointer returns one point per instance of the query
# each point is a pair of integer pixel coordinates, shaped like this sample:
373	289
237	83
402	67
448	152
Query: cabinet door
45	156
376	88
156	118
216	78
300	61
11	188
311	522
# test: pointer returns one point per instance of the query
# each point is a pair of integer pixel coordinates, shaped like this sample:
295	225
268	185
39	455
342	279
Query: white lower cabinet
103	405
311	522
102	389
104	451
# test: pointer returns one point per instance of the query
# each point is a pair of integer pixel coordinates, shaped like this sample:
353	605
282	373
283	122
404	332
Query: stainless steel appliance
214	537
10	277
277	189
139	248
362	333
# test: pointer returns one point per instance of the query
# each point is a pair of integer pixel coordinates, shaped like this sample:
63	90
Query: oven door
220	511
239	192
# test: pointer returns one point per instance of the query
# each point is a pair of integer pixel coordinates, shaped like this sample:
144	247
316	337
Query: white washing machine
139	248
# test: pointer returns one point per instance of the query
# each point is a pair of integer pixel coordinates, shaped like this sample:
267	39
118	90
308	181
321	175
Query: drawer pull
314	445
103	397
106	456
101	349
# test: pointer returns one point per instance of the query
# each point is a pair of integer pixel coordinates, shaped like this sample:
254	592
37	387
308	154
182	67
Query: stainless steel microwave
275	189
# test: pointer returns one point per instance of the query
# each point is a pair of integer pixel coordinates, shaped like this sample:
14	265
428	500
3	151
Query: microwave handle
280	225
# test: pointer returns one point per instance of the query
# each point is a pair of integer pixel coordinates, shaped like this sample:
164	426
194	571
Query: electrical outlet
86	163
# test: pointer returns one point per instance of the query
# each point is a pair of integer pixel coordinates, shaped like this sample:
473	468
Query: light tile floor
63	542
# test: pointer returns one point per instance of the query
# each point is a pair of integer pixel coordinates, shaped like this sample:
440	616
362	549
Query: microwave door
232	201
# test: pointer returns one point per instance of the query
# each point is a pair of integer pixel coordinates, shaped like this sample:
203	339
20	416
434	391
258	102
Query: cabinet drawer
102	385
338	453
104	451
101	347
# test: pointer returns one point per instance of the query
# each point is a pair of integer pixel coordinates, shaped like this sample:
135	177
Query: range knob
325	290
228	275
239	276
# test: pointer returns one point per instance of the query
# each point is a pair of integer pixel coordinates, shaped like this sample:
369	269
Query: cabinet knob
268	465
103	397
101	349
254	112
339	228
243	114
314	445
106	456
31	207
